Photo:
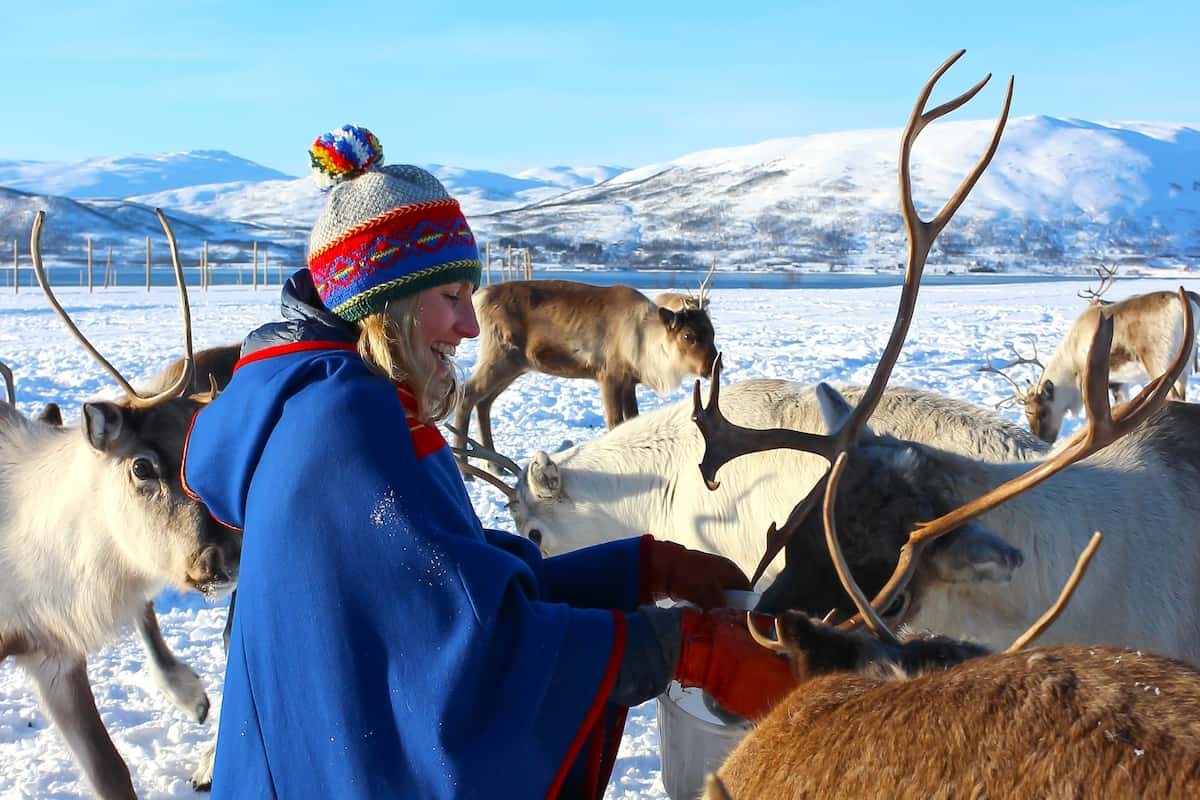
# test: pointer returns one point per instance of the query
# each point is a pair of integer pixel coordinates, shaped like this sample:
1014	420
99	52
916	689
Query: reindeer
1051	722
1148	329
936	717
610	334
1142	491
93	523
175	679
641	476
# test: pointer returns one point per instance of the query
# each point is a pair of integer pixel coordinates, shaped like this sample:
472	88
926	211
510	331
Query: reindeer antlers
475	450
10	387
1104	426
136	400
1107	275
725	441
1018	395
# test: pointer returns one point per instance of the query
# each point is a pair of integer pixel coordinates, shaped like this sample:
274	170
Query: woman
385	644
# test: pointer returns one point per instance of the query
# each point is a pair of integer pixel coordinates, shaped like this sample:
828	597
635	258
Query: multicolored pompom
344	153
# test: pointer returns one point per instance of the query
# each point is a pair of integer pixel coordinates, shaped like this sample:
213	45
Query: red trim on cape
427	439
293	347
593	720
183	478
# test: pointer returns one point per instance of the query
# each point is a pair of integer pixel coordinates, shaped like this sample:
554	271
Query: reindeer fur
84	543
613	335
642	476
940	718
1142	492
1146	336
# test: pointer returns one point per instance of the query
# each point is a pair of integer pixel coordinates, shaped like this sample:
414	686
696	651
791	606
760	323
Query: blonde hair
387	342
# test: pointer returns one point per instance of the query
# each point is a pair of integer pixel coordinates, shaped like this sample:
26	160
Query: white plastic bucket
693	741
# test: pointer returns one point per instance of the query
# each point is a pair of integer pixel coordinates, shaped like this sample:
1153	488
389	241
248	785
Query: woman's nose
467	326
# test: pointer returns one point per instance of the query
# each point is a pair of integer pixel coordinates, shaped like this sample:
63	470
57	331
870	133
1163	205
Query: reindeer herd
858	511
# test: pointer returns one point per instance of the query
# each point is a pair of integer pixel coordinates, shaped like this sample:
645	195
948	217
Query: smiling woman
436	652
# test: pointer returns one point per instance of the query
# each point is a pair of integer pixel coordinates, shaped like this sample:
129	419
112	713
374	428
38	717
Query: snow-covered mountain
125	176
1060	195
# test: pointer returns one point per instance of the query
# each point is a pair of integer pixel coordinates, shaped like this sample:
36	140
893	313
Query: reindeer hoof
202	777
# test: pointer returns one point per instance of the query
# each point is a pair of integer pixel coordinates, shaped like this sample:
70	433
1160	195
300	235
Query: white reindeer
1147	332
93	523
641	476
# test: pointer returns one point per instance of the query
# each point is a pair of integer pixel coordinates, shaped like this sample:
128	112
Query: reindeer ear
974	554
102	424
51	415
668	317
544	478
835	408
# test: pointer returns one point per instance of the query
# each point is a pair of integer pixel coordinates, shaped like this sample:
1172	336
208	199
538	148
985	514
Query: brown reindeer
877	715
613	335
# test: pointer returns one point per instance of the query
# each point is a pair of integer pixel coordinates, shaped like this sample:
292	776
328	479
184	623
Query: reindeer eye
143	469
689	338
898	606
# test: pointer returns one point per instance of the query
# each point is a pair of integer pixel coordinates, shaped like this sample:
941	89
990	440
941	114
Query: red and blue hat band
402	252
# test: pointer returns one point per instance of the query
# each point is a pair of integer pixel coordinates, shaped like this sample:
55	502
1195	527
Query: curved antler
10	386
1104	426
725	441
136	400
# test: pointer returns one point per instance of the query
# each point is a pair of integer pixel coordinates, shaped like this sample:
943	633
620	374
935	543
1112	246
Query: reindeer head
1045	406
163	531
156	526
689	330
691	338
543	513
886	489
815	648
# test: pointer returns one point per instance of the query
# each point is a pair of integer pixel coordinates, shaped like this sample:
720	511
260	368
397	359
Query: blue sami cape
384	644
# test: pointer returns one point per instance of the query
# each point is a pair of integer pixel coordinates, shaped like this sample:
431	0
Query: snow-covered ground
804	335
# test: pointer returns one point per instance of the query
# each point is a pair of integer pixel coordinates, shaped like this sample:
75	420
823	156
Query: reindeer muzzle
213	569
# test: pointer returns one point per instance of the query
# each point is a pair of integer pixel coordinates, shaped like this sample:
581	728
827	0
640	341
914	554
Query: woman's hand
673	571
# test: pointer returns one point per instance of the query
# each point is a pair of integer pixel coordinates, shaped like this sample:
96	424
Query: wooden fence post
254	269
16	270
147	263
89	277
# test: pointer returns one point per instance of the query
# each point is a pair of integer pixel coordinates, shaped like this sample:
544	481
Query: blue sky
510	85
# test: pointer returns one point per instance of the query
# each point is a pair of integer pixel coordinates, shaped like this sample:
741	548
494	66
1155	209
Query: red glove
671	570
718	655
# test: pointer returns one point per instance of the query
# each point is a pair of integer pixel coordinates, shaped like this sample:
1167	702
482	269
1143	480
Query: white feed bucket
693	740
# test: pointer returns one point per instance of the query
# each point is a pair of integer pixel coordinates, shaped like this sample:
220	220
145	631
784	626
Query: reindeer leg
203	774
629	405
175	679
67	697
491	377
611	393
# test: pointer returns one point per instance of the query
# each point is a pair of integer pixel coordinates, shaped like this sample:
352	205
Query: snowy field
804	335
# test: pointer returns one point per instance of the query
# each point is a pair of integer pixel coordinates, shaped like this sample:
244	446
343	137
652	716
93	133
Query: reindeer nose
535	536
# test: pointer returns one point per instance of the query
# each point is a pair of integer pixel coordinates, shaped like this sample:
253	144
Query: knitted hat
385	232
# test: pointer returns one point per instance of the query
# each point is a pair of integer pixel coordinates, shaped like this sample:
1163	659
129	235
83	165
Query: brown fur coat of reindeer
613	335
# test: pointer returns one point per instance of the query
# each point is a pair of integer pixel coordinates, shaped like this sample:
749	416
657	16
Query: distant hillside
125	176
1060	195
